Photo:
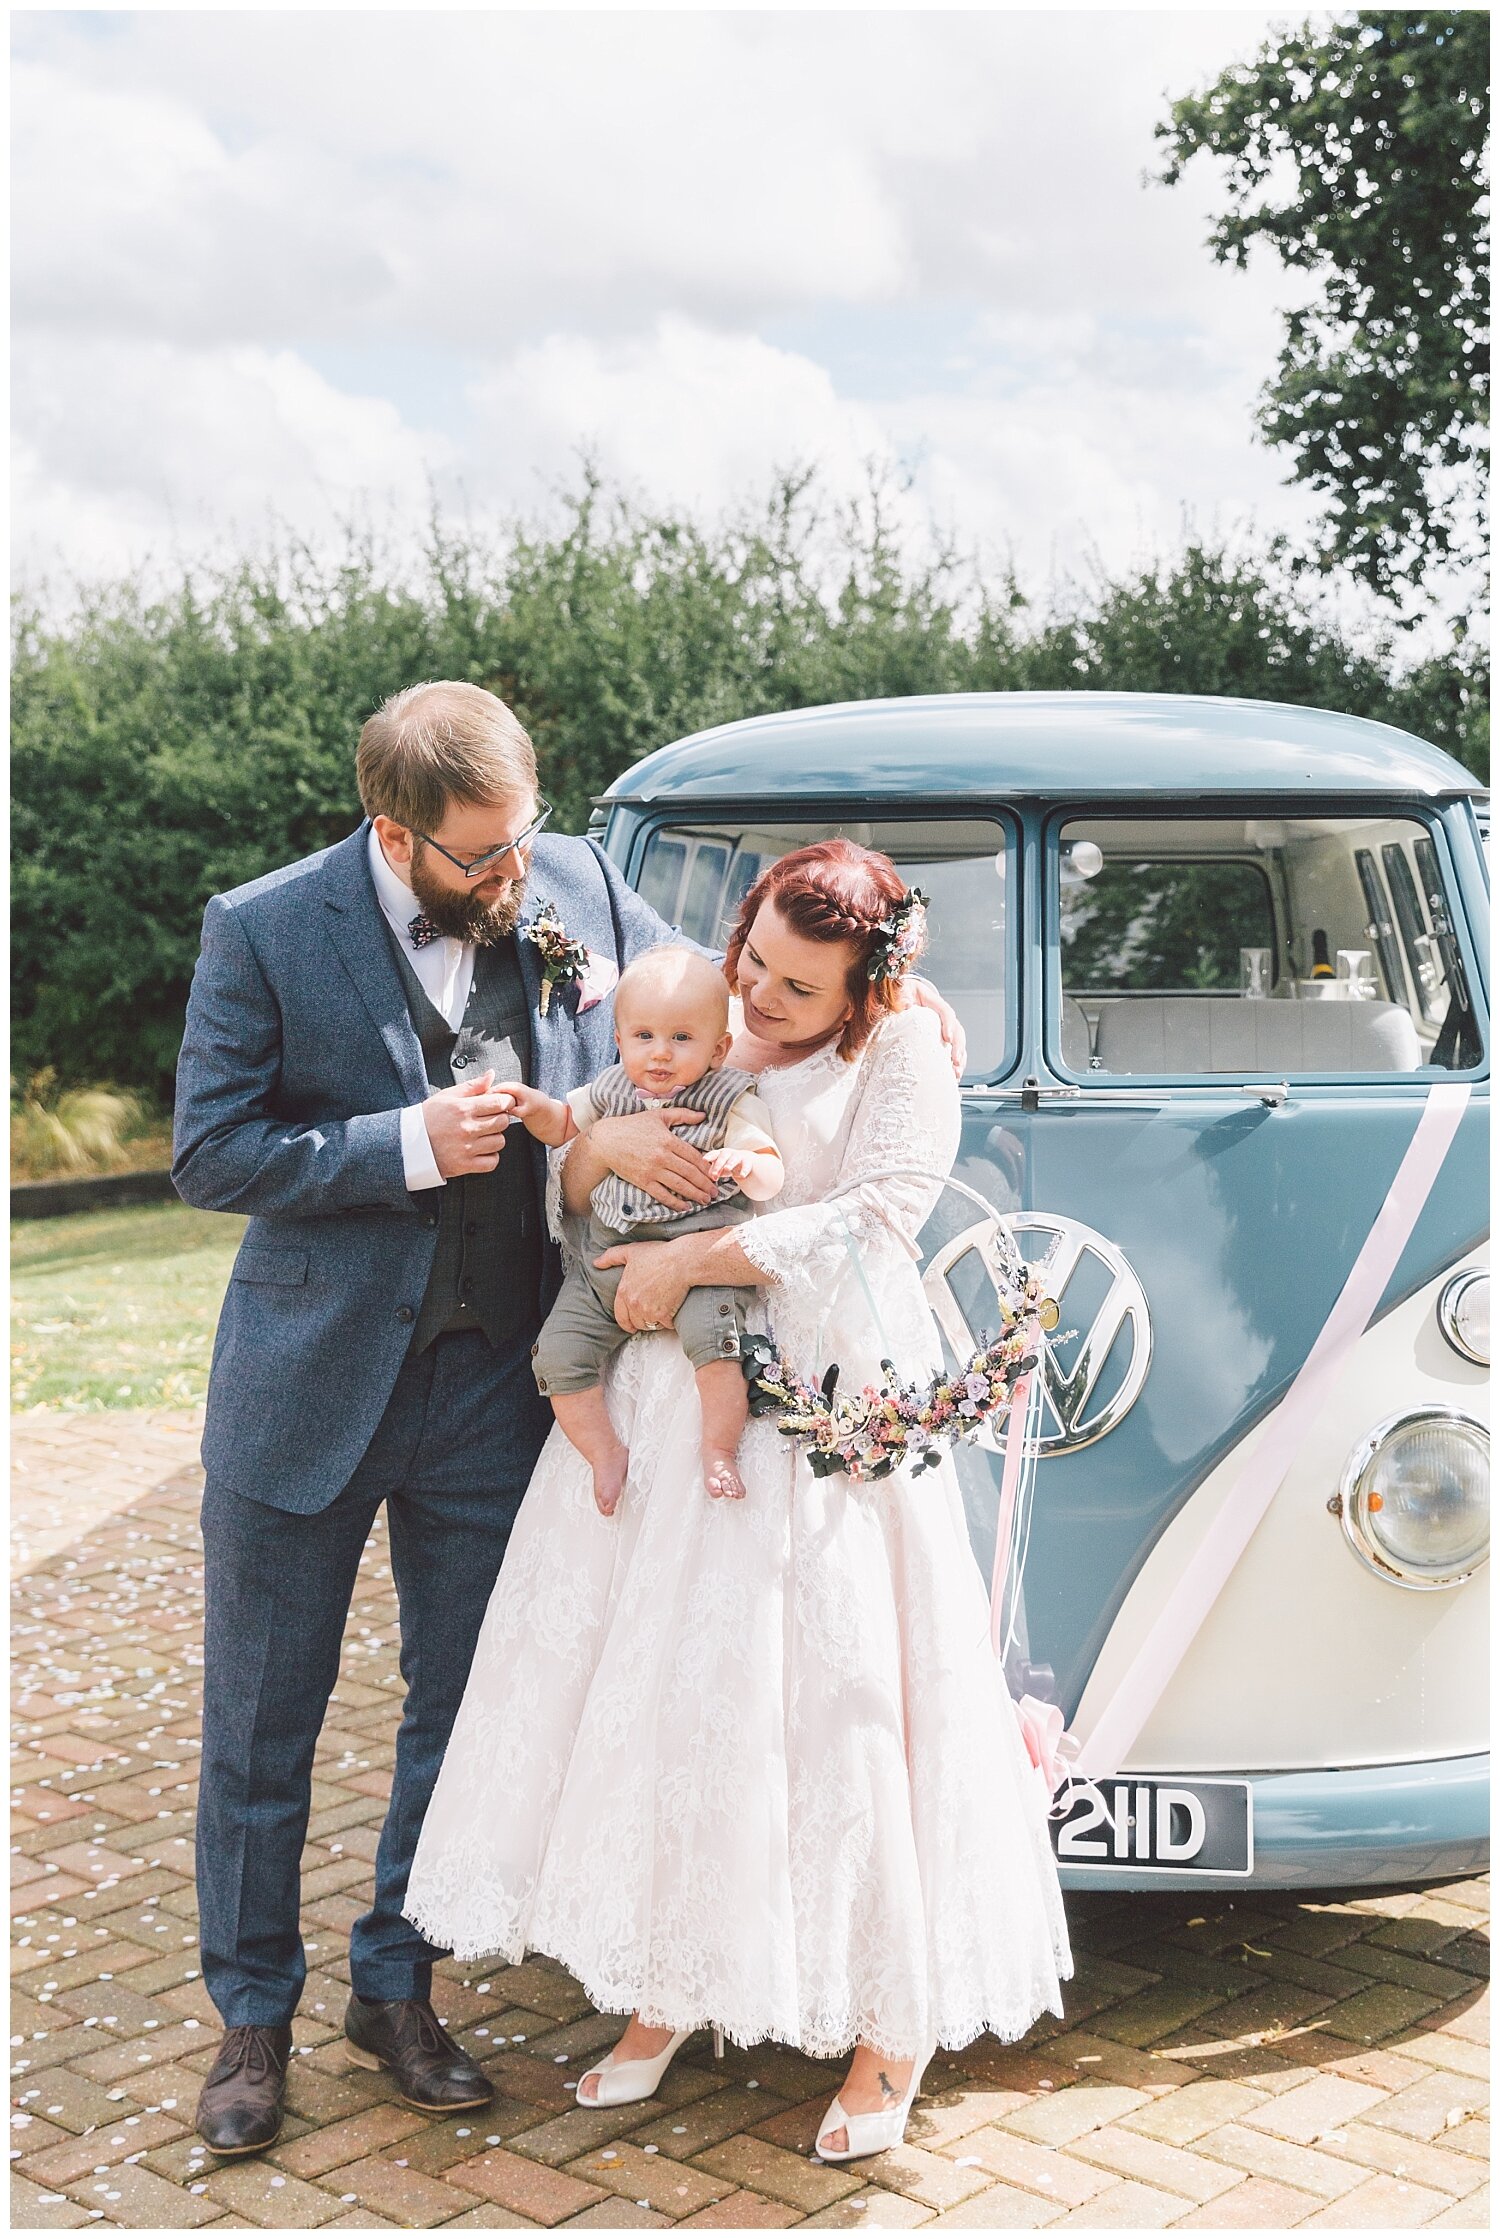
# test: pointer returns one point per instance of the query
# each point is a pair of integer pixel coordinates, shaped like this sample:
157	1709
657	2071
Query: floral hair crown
901	939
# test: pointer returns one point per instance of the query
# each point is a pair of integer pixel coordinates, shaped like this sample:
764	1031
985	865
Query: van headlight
1463	1312
1415	1498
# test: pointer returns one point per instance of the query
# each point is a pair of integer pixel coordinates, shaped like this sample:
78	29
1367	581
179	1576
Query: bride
751	1762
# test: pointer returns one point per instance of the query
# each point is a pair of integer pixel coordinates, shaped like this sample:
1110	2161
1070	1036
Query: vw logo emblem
1056	1248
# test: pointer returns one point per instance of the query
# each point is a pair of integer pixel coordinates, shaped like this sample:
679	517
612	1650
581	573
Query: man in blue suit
348	1020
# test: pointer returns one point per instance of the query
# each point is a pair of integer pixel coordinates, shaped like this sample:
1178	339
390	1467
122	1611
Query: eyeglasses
475	866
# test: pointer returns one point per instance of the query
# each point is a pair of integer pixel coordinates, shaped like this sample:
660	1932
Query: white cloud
132	449
494	175
702	245
1065	456
688	415
133	217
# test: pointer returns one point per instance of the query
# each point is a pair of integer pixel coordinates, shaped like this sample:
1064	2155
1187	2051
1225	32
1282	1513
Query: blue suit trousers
451	1457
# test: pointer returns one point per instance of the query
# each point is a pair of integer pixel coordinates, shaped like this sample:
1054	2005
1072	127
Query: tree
166	749
1356	151
632	627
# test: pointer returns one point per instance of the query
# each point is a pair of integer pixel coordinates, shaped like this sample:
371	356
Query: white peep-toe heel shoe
622	2082
869	2134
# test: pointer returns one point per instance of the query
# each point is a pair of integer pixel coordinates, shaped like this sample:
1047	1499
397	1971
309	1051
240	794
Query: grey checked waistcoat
487	1266
620	1204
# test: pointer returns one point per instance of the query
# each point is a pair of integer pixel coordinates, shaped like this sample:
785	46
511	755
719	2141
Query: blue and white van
1222	968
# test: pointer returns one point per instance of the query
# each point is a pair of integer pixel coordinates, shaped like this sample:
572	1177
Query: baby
671	1022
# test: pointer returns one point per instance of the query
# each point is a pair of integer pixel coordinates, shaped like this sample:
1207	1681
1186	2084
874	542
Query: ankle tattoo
887	2088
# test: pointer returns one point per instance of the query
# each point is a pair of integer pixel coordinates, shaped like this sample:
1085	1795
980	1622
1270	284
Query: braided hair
832	891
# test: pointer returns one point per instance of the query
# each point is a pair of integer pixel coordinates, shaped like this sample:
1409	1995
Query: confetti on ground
109	2051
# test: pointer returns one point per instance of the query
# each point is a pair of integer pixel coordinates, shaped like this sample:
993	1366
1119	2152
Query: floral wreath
901	938
564	960
868	1434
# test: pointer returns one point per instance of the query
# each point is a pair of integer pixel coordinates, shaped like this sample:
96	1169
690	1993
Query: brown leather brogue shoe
239	2107
405	2035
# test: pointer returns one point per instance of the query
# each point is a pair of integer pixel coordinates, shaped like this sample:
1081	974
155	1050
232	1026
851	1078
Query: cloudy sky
305	266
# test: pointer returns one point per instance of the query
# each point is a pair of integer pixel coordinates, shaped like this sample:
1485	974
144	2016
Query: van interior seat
1233	1034
1077	1038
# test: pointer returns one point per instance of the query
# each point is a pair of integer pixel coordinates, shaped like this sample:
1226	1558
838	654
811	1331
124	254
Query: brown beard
464	917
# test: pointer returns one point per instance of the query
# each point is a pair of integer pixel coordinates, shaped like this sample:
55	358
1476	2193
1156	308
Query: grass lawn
117	1309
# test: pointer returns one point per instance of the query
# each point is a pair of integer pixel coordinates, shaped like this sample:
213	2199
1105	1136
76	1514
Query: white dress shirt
445	968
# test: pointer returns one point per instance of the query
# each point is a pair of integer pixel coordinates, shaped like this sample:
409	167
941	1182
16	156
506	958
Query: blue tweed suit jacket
298	1057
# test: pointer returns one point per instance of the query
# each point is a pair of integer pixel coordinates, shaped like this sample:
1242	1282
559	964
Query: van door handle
1032	1091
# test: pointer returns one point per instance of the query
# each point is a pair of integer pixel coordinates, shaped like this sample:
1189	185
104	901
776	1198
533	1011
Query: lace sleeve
566	1229
907	1115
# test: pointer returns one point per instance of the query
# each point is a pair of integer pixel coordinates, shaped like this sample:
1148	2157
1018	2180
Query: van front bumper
1378	1825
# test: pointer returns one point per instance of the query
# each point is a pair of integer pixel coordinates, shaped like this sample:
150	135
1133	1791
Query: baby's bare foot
609	1481
721	1474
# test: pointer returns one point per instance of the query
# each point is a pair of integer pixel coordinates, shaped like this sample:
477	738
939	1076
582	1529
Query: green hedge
166	748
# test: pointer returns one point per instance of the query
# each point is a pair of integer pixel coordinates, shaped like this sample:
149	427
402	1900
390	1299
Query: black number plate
1159	1827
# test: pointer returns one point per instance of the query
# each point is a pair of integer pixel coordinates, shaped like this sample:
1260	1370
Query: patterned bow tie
422	930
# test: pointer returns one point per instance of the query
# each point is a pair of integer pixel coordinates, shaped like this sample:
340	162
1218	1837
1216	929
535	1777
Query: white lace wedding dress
753	1762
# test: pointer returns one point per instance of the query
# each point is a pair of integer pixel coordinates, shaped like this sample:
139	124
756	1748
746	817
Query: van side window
696	876
1420	946
1460	1030
1193	947
1380	929
660	882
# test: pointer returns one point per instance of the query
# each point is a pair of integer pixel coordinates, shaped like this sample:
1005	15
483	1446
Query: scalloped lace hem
823	2039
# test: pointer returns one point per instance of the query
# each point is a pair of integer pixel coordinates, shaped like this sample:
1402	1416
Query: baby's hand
722	1163
545	1117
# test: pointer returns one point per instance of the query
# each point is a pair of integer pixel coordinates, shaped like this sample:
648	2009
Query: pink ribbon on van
1107	1744
1041	1727
1010	1480
1041	1723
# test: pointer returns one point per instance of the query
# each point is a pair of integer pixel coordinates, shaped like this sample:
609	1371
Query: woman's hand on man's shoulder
923	999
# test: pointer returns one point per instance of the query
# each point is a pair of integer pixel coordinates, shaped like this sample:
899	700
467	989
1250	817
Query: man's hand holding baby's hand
466	1126
546	1118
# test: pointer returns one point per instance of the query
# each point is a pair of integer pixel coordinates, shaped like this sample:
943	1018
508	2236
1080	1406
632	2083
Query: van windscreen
1257	945
696	876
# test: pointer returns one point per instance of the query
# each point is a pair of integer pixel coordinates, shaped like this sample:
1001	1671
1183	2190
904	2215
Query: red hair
832	891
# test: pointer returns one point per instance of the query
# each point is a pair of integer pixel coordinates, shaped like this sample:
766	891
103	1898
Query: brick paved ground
1260	2066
